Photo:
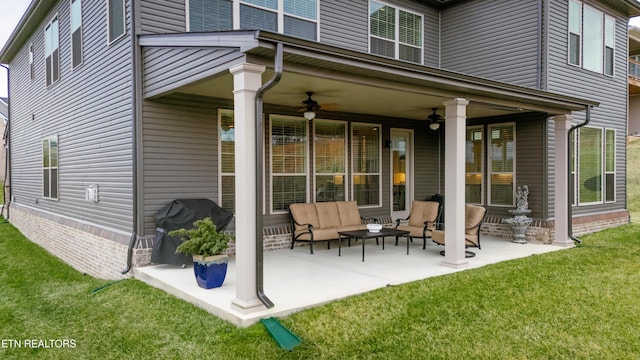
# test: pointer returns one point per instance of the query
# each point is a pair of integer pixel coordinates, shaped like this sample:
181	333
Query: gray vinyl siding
495	39
611	92
163	68
90	110
348	26
345	26
180	152
163	17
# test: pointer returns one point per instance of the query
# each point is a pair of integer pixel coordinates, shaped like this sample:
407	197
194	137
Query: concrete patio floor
295	280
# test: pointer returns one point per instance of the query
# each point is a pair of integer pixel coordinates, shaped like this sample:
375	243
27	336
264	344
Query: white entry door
401	172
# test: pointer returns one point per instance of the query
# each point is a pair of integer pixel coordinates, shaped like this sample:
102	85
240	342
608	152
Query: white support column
561	209
454	175
247	79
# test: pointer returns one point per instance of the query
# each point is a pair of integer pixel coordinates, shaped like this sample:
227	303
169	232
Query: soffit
355	82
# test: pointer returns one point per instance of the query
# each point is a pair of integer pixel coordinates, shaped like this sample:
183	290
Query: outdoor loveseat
322	221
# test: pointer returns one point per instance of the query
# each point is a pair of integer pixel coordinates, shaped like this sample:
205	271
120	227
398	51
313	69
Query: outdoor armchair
474	216
422	220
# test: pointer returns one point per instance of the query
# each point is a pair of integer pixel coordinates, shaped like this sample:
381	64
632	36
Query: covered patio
296	280
252	69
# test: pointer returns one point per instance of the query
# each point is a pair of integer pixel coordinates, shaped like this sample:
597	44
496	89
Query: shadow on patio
295	280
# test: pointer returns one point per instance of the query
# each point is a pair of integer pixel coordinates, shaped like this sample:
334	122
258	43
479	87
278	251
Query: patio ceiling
345	81
335	96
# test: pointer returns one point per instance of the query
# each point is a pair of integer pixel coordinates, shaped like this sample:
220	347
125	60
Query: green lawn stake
283	336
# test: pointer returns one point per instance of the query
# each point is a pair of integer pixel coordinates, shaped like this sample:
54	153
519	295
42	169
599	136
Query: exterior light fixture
310	106
434	120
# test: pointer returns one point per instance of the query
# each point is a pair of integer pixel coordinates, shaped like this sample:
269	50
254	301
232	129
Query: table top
366	234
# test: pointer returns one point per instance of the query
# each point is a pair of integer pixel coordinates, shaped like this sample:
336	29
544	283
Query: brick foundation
99	252
102	252
543	232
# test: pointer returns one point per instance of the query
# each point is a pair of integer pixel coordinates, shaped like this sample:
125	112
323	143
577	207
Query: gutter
571	184
7	164
277	66
134	137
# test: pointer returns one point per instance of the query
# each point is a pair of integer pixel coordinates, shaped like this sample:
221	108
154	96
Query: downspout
6	136
539	45
134	139
571	184
277	66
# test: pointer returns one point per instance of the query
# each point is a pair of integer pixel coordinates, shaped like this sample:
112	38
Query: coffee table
366	234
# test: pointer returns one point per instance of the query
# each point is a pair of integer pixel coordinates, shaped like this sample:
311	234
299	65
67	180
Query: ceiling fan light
309	115
434	126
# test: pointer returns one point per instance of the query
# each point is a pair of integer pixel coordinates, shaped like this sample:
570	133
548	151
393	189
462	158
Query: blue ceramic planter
210	271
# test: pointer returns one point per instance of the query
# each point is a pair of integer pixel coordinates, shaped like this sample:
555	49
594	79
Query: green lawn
580	303
633	179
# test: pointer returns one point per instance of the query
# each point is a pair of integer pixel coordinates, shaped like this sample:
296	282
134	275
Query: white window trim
396	40
124	18
585	6
56	18
489	172
482	162
32	71
307	162
604	166
582	40
81	36
346	157
50	167
410	168
569	32
604	42
379	173
279	15
220	172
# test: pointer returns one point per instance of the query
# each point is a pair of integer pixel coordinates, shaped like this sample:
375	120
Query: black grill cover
178	214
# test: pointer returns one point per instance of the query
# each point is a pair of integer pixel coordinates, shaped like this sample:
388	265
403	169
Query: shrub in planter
206	244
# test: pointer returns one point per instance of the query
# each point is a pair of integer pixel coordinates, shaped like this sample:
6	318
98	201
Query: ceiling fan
310	106
434	120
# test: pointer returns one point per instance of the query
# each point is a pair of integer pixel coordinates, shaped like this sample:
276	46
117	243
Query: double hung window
32	70
76	32
289	169
501	164
292	17
227	142
365	164
395	33
330	163
300	171
591	42
117	19
50	167
52	51
596	163
474	155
